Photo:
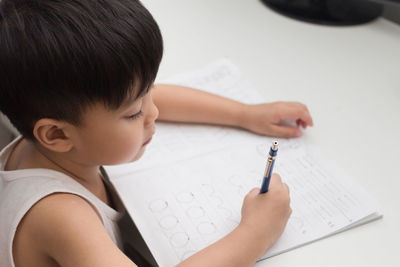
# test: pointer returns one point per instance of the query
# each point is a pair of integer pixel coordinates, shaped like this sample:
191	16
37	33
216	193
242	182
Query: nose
152	114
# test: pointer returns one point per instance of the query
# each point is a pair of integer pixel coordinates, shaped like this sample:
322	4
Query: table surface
347	76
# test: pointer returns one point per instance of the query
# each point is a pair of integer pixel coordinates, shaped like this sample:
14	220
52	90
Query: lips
148	141
152	131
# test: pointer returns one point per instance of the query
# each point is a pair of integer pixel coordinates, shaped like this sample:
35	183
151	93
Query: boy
77	82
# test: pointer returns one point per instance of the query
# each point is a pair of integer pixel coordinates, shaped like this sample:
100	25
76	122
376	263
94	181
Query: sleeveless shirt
21	189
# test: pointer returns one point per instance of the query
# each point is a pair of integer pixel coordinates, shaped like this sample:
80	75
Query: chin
138	155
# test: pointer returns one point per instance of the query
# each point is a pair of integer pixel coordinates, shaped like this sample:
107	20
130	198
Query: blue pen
273	151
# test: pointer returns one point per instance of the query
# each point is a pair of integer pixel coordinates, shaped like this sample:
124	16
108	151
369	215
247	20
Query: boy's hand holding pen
264	215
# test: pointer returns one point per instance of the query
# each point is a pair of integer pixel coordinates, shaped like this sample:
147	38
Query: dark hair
57	57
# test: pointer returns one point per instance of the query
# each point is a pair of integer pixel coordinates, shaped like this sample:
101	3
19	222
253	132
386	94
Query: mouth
148	141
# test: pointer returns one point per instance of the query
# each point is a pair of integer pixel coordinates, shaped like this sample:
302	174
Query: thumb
254	192
275	180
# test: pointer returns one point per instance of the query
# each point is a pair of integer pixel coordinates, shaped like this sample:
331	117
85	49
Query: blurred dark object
392	12
328	12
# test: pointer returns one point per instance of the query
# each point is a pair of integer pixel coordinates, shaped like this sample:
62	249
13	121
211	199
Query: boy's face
113	137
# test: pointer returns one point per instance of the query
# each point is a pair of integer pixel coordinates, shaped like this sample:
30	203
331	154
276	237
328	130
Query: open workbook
187	190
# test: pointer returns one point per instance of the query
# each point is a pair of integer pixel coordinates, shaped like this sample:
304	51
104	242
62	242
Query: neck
88	176
28	155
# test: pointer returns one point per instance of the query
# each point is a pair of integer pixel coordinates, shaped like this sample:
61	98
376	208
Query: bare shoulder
65	230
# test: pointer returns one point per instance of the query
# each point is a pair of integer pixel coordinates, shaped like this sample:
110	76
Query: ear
53	134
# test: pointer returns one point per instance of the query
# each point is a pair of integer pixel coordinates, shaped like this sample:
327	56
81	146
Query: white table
348	77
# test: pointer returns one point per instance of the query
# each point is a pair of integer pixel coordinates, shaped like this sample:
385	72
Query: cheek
119	145
126	146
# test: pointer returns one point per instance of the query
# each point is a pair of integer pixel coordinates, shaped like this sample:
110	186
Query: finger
305	115
283	131
275	180
290	212
253	192
298	111
301	123
286	187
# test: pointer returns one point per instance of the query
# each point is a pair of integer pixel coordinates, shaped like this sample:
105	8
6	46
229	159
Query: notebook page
183	207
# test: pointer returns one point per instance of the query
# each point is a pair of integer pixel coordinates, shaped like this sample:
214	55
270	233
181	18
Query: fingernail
298	133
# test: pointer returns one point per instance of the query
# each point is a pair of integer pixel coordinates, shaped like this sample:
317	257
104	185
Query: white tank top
21	189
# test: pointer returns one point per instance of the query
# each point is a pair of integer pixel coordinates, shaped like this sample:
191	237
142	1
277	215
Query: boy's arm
182	104
64	230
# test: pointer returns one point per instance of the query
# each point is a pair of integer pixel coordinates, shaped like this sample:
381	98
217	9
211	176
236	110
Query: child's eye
135	116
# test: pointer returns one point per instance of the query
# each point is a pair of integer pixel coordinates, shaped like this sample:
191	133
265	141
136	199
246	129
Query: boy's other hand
265	215
274	118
